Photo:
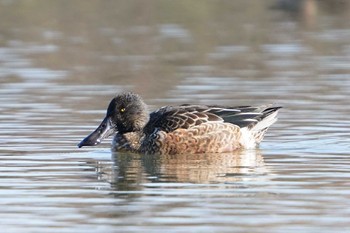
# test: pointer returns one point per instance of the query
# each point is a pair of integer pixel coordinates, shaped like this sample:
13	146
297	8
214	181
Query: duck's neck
128	141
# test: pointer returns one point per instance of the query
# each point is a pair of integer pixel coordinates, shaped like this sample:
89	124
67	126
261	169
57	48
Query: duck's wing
243	116
171	118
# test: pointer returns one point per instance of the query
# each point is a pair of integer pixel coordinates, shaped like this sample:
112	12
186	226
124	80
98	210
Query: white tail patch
251	137
266	122
247	139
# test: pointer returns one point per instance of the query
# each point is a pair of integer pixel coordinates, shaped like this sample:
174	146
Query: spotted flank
181	129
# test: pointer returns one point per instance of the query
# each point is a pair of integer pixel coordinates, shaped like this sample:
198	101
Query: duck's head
126	113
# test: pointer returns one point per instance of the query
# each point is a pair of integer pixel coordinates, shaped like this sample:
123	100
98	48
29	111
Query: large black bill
104	130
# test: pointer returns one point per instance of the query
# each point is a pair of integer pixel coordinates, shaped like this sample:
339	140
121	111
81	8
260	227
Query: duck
182	129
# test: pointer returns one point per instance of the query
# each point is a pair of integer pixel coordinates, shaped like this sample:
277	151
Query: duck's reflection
132	172
206	168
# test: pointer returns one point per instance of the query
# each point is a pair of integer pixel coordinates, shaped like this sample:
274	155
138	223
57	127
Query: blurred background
62	61
156	47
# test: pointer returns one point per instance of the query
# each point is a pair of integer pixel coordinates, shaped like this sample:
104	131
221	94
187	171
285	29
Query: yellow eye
122	110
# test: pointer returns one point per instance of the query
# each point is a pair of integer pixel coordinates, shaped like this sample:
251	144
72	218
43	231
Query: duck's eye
122	110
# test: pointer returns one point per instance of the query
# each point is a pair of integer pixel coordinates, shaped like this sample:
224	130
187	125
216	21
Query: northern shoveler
181	129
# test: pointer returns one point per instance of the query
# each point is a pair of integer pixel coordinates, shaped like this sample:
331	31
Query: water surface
61	62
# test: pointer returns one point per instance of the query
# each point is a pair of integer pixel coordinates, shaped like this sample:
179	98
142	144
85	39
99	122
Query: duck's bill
104	130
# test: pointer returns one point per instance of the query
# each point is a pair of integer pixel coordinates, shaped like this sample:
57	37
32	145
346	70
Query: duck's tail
267	119
254	133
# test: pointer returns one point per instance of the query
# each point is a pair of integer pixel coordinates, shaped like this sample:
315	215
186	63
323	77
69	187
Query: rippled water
60	64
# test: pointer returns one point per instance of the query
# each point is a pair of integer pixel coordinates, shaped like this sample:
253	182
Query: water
61	63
